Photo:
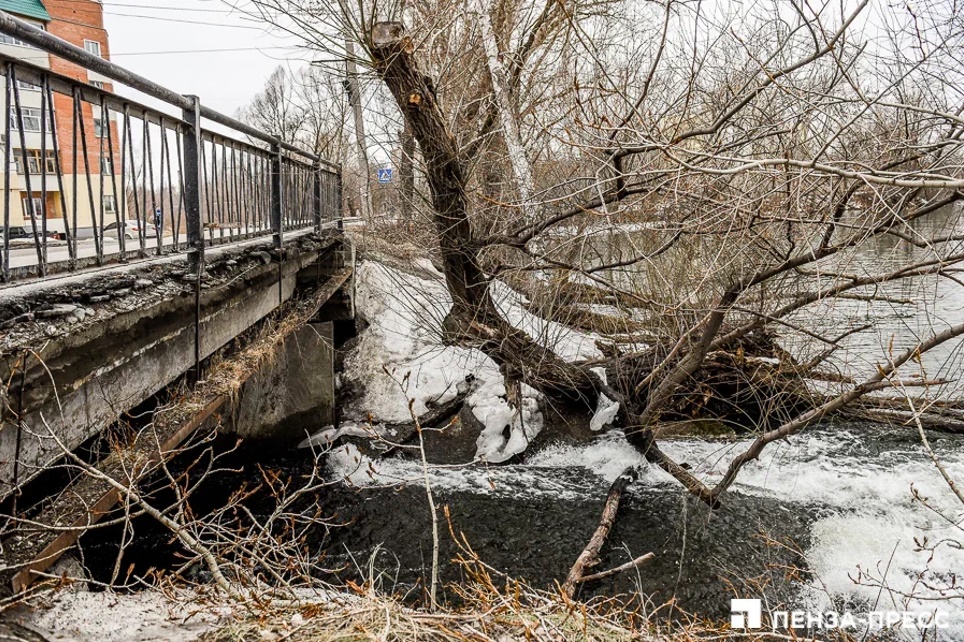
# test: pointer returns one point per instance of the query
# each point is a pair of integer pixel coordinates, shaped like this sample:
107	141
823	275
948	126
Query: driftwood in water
388	438
590	555
938	419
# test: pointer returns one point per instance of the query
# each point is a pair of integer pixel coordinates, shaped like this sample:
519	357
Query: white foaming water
870	529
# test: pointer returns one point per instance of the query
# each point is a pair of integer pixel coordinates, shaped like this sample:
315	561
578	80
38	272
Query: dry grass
494	608
512	617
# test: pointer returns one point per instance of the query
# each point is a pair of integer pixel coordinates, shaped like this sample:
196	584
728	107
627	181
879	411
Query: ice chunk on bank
506	432
401	356
606	411
606	408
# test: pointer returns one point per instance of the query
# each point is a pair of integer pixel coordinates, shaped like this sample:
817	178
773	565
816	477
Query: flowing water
848	515
829	517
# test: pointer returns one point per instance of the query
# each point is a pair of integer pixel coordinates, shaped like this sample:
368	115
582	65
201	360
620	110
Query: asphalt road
24	254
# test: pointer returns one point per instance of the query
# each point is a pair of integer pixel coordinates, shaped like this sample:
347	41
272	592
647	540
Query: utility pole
354	97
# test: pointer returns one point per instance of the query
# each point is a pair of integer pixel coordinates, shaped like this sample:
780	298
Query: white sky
143	33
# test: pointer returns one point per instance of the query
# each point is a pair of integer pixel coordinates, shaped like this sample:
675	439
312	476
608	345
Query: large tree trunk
474	319
415	95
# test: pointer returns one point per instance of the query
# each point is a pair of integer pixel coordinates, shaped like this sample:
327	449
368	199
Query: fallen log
384	439
590	555
936	421
437	417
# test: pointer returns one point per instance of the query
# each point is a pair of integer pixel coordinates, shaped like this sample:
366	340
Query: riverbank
499	612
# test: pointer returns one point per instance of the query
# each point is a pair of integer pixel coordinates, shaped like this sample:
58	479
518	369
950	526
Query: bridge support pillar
293	395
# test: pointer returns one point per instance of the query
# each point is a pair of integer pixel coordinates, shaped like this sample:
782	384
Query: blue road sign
385	175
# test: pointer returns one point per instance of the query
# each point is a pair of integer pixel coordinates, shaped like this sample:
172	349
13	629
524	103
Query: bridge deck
80	350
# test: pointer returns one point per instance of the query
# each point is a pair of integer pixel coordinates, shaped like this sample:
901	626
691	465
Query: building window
110	205
38	207
34	162
93	47
97	83
31	118
10	40
26	86
106	164
99	128
102	121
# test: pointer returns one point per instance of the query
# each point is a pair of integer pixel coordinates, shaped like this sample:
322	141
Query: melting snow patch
139	617
871	521
401	357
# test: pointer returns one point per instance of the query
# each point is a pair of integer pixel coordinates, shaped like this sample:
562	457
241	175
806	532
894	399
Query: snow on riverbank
871	527
400	357
147	616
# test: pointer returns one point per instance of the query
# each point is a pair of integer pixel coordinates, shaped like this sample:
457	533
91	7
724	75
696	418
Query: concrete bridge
204	297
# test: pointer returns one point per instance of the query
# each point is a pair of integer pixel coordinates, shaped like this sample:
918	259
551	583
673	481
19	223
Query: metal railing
92	177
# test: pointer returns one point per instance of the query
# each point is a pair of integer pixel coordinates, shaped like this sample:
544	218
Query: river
828	520
849	515
836	502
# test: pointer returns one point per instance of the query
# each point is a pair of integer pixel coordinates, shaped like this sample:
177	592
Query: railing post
276	195
192	218
192	187
316	197
339	209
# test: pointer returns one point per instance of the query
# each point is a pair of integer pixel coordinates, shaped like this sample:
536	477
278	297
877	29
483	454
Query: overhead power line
185	21
162	8
198	51
158	7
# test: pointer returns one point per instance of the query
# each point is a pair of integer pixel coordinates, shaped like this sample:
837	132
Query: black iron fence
92	177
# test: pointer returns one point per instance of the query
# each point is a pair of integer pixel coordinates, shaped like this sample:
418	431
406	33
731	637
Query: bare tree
300	108
707	181
275	109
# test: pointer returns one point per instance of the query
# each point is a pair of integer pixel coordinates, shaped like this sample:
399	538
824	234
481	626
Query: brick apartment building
81	23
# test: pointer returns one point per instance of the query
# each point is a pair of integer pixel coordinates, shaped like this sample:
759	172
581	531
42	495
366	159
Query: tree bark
505	106
407	174
392	53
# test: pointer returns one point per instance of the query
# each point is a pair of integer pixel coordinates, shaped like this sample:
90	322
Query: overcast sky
229	58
